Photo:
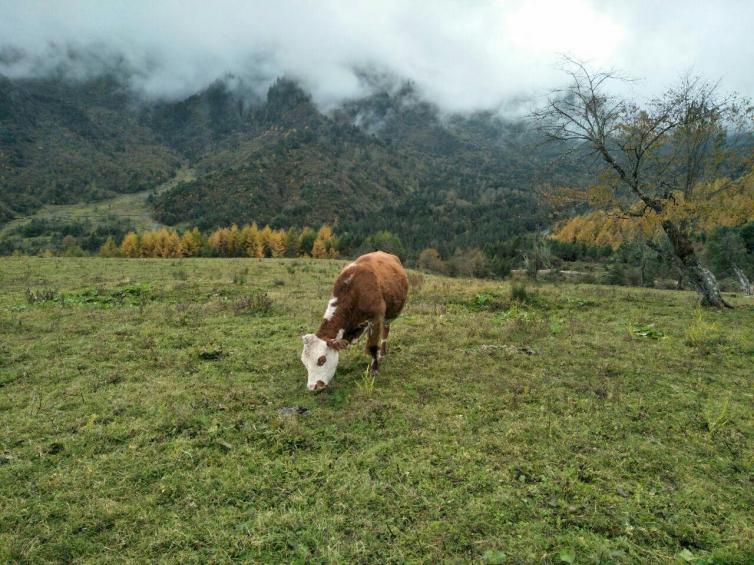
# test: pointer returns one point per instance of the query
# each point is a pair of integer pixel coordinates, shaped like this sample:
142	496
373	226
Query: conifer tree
253	241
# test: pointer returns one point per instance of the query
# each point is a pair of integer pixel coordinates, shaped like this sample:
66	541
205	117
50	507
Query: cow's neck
329	328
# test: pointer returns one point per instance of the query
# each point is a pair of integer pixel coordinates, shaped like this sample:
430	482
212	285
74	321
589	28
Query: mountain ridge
278	160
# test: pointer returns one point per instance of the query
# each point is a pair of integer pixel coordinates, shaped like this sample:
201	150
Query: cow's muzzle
319	385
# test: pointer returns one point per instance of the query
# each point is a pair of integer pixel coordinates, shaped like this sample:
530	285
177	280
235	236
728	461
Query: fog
461	55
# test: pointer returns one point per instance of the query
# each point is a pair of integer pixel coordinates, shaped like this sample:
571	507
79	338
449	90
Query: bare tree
655	154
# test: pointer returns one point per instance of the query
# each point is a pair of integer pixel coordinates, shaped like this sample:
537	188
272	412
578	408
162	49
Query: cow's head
320	357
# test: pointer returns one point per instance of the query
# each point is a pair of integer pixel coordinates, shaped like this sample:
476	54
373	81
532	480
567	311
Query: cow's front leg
374	338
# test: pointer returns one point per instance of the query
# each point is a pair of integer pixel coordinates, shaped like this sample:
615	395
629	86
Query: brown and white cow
367	295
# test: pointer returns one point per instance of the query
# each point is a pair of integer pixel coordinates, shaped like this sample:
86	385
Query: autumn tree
253	241
655	154
131	245
266	233
218	242
275	242
319	251
430	260
169	244
325	245
235	243
191	243
149	244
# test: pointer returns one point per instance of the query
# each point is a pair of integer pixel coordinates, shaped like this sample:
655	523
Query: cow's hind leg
383	342
373	343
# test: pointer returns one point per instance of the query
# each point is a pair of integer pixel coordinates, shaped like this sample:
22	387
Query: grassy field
156	410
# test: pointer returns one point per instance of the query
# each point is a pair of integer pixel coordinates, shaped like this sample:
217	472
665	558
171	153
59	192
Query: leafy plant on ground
488	301
644	330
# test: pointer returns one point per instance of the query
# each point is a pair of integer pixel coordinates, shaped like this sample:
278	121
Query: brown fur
370	293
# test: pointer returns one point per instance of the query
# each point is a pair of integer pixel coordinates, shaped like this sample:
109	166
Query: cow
367	296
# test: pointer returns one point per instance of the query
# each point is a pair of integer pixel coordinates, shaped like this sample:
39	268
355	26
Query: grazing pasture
156	410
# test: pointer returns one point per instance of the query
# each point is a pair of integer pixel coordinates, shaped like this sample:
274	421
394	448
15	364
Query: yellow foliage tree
191	243
149	244
131	245
266	237
235	245
218	242
168	243
324	246
319	250
716	204
252	238
276	243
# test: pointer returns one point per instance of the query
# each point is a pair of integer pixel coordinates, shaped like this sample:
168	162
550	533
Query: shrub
430	260
257	303
468	263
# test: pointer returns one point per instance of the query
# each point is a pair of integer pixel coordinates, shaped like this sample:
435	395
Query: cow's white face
320	361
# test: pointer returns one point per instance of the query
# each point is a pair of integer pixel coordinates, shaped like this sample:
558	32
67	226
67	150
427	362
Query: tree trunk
702	279
743	280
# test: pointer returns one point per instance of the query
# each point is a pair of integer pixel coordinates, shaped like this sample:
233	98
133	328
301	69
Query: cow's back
390	278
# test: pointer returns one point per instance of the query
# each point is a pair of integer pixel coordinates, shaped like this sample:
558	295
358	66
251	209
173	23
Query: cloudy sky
464	55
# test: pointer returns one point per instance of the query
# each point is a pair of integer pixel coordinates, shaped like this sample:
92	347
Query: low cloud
461	55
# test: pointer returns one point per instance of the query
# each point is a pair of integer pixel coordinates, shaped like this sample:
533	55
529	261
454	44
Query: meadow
156	411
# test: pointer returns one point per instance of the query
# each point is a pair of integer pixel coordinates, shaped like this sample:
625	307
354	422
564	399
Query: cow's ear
307	338
337	344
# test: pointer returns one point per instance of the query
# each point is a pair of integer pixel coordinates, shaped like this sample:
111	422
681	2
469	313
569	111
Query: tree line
245	241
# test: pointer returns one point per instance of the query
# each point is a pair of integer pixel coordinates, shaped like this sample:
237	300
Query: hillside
157	410
388	161
63	143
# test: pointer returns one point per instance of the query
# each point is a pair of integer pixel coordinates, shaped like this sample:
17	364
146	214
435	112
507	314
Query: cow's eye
321	361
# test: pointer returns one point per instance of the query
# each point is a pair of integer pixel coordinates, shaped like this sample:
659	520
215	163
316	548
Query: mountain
69	142
388	161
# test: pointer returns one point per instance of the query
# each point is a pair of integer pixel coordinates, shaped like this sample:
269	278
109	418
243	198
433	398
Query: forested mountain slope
388	161
65	143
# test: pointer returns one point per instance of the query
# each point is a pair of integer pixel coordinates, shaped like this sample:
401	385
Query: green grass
140	420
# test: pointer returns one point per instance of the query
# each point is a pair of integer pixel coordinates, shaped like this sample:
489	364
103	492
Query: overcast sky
463	55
